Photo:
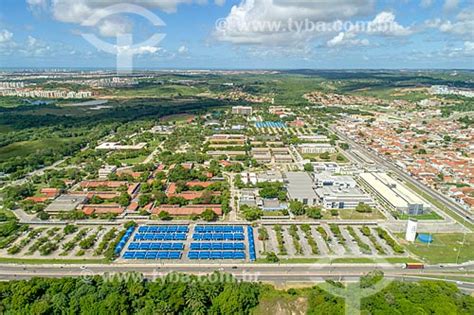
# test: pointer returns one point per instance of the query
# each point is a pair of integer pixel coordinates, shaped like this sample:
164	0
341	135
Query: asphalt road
447	202
275	273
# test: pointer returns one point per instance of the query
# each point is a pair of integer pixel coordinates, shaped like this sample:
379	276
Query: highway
447	202
275	273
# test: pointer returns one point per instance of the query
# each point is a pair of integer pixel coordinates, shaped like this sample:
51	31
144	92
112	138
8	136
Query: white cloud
5	36
466	50
77	11
347	39
115	26
271	22
426	3
462	26
183	49
451	4
385	24
137	50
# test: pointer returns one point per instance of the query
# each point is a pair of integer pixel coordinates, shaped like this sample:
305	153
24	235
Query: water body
88	103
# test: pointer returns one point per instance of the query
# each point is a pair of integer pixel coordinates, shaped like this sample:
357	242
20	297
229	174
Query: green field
27	147
350	214
441	206
446	248
161	91
427	216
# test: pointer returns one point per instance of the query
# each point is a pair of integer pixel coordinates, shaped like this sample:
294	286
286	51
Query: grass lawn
347	260
7	213
441	206
351	214
24	148
52	261
445	248
333	157
133	161
427	216
160	91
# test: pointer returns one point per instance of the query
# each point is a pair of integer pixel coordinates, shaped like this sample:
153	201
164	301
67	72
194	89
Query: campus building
242	110
327	180
316	148
394	193
342	198
300	188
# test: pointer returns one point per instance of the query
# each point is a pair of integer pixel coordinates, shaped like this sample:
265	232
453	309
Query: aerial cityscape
226	168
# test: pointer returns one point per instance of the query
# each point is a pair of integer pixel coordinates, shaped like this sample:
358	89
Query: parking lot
190	243
326	240
62	242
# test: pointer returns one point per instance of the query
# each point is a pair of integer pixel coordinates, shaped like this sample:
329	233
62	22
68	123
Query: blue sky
230	34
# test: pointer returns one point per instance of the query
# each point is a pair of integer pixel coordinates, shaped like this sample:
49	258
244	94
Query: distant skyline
245	34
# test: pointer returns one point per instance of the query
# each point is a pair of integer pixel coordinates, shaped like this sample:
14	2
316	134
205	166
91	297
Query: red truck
414	266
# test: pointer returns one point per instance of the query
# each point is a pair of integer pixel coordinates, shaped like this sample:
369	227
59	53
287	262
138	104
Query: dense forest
39	138
214	294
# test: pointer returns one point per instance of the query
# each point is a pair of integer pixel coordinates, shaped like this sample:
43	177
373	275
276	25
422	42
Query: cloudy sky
230	34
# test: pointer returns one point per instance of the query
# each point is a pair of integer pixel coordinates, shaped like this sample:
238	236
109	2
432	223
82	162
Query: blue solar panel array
211	242
218	233
219	229
164	229
155	246
124	240
160	237
152	255
252	255
150	242
216	255
217	246
218	236
270	124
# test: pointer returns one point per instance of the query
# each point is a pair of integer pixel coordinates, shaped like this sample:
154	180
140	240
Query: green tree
251	213
144	199
363	208
209	215
314	213
165	216
308	167
297	207
272	257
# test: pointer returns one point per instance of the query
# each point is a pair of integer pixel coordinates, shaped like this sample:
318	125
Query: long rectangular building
395	193
300	188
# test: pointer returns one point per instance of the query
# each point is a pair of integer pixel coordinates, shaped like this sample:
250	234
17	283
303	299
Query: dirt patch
282	306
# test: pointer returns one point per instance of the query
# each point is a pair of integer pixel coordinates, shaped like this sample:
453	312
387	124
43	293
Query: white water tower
412	225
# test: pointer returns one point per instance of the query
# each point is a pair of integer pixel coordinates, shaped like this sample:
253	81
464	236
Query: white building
105	171
316	148
242	110
327	180
342	198
118	146
314	138
395	194
326	167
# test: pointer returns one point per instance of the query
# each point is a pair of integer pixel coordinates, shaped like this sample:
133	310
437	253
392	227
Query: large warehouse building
395	194
300	187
